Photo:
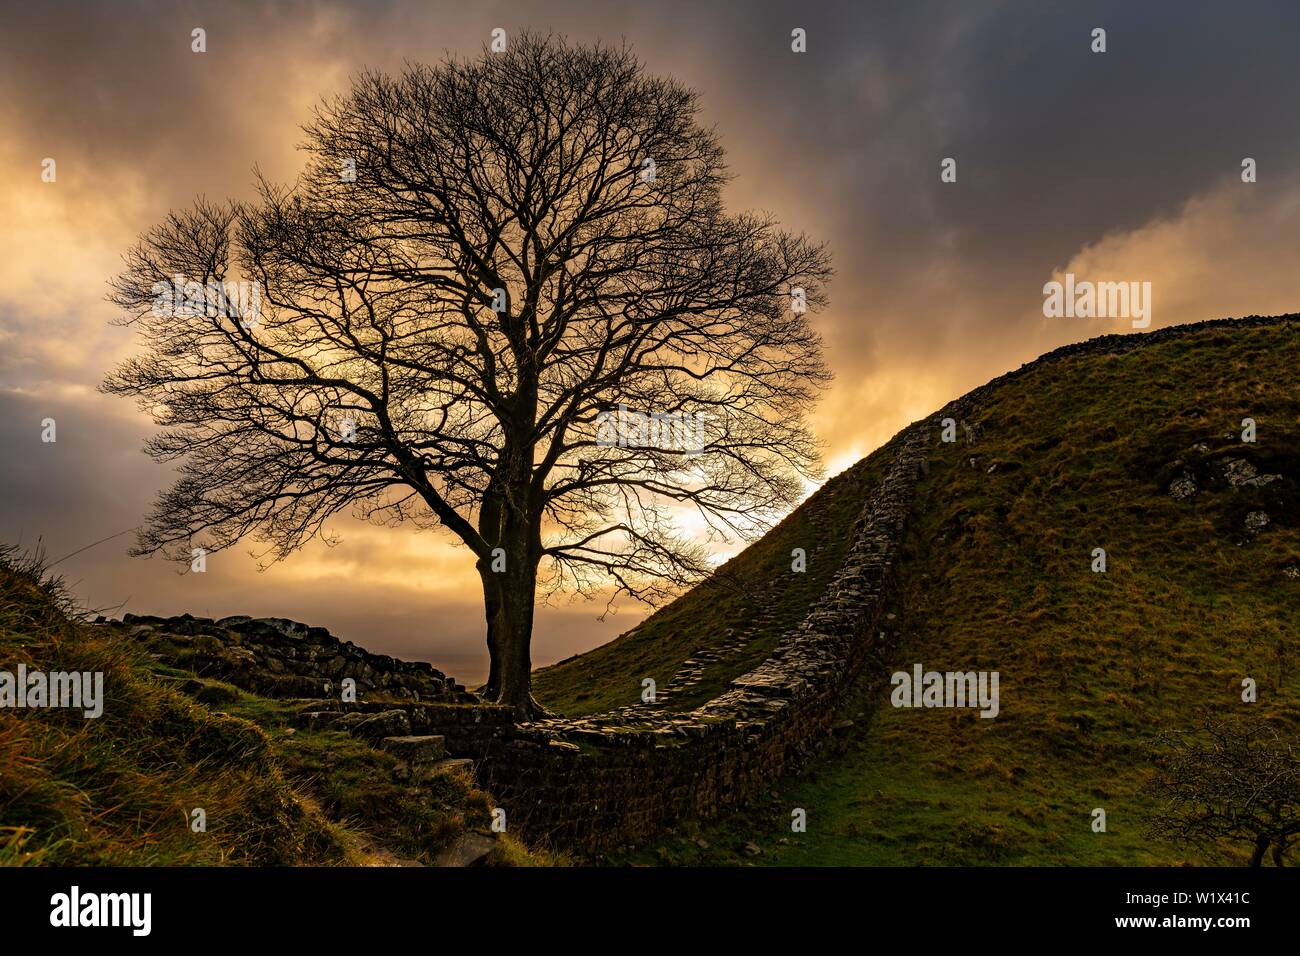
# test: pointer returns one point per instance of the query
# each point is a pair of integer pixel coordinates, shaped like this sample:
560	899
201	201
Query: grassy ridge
996	572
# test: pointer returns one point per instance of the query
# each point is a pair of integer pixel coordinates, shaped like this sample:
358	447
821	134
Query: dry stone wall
277	657
587	782
624	776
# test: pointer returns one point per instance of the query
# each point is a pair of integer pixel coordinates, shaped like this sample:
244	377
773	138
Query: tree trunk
511	526
509	596
490	528
1261	845
492	608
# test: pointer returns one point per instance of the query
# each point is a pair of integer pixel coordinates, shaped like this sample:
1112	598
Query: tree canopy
487	269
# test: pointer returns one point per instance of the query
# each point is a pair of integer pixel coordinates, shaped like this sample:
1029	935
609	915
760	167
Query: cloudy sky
1118	166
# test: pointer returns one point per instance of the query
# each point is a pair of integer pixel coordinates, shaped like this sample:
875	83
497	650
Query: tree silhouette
1238	779
504	298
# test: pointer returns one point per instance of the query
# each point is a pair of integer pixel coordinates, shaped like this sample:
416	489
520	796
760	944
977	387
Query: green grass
996	576
119	789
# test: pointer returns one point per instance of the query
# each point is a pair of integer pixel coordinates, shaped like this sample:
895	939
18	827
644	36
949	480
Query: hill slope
729	623
1139	453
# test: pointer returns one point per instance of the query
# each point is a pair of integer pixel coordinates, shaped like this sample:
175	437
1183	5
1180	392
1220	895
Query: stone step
472	849
416	750
452	763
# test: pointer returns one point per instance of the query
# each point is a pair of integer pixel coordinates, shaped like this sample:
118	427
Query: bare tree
1236	779
482	263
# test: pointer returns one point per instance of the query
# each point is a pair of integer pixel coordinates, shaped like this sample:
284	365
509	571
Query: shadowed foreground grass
119	789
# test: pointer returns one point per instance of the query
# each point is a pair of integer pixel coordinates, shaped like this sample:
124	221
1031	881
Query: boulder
1183	487
1256	521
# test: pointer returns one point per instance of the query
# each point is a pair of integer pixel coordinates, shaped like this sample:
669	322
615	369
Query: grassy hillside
1076	454
119	789
736	616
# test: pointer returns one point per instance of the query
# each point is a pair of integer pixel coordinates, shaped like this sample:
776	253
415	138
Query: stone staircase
424	756
763	623
736	642
692	670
